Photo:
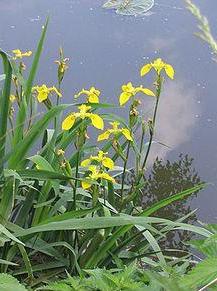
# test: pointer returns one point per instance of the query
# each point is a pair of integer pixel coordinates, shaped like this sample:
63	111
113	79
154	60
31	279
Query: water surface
107	50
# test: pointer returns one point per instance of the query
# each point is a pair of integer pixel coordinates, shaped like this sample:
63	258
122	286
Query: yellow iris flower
94	176
43	92
129	91
158	65
115	130
92	95
19	55
100	158
96	120
12	98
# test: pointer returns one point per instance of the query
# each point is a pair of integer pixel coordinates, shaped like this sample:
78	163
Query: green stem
76	181
140	151
124	172
158	92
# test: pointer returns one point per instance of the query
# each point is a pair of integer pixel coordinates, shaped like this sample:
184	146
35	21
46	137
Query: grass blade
4	108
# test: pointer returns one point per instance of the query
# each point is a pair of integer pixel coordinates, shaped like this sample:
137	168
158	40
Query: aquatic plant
130	7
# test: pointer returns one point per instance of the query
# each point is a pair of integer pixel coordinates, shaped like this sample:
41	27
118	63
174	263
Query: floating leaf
130	7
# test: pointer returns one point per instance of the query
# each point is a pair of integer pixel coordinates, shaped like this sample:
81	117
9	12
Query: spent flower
62	65
18	54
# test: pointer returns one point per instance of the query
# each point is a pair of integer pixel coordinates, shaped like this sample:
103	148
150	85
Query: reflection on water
107	50
177	116
165	179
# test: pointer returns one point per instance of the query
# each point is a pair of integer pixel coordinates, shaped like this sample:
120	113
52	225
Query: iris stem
158	92
76	181
124	172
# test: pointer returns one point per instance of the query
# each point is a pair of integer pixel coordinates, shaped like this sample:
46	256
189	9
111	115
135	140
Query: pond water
106	50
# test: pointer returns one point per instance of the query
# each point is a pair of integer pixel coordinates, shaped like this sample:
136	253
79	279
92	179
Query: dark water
106	50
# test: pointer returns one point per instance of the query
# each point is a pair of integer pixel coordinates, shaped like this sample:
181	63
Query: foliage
205	31
9	283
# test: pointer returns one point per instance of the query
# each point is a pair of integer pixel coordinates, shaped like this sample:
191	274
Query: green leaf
7	193
43	175
9	283
9	235
91	223
202	274
103	249
4	108
22	113
206	246
164	202
69	215
22	148
26	260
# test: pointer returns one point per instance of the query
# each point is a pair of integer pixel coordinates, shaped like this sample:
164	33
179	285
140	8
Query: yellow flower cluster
97	165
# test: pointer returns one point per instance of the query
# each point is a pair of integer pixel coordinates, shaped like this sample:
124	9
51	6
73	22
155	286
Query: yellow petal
130	86
85	163
104	135
145	69
108	163
93	98
68	122
80	93
107	177
42	96
124	87
85	185
56	91
147	91
97	121
169	71
16	51
28	54
124	97
127	134
95	91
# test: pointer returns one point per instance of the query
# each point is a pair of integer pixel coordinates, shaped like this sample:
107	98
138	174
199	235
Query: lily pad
130	7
